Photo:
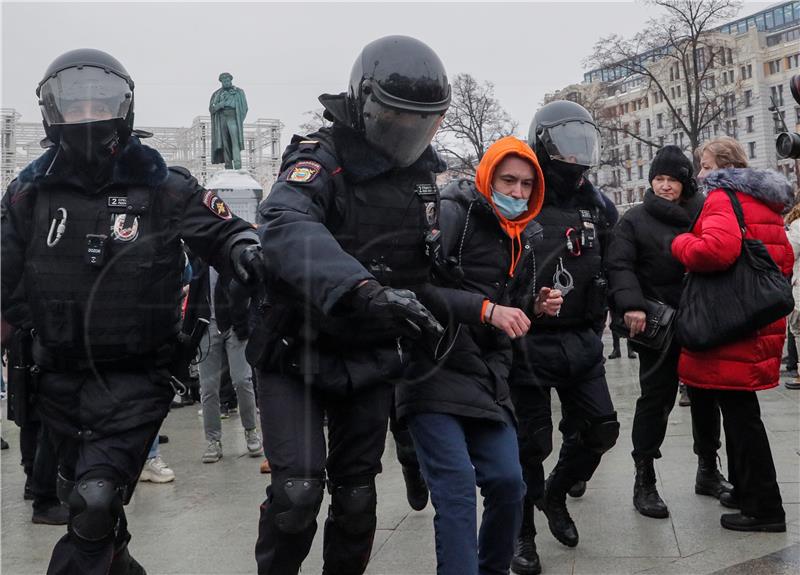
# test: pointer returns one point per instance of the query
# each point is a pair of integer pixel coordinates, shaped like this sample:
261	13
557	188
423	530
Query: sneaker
264	467
3	443
253	439
156	471
793	383
213	452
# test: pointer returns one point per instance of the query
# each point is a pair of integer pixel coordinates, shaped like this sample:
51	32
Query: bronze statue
228	108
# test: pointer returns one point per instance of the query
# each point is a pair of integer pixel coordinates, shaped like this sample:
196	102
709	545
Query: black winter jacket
639	263
472	381
231	303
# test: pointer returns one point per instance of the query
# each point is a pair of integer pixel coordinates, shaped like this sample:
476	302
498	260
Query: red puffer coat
714	244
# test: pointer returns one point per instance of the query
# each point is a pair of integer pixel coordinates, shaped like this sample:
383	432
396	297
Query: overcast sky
284	55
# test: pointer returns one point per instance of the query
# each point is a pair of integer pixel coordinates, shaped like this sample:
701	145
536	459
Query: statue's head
398	96
226	79
86	99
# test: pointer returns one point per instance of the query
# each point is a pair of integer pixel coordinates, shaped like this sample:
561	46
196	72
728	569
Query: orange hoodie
483	181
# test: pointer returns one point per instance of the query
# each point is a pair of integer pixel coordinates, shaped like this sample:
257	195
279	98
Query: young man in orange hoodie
461	417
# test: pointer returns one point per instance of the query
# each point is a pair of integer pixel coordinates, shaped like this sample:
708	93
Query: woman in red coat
731	374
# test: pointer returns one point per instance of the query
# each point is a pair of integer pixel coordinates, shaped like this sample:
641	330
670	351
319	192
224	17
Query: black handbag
721	307
658	331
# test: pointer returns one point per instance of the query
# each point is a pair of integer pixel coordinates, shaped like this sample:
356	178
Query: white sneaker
213	452
156	471
253	439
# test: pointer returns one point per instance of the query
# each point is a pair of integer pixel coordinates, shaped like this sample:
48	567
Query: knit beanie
671	161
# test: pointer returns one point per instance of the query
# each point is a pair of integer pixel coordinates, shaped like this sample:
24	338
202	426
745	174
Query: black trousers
118	457
751	468
101	425
292	412
39	463
403	442
659	386
583	402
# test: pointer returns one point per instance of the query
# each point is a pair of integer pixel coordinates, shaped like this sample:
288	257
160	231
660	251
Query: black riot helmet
398	96
565	132
86	98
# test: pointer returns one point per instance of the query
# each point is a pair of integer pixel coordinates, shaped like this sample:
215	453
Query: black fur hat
671	161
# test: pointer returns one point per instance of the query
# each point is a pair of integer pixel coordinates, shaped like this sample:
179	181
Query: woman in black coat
460	416
641	266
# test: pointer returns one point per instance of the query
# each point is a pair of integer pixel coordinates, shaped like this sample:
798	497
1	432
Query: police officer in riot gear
91	231
348	223
564	352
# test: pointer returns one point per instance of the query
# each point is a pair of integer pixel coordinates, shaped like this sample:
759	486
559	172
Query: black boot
709	481
729	499
578	489
55	514
526	559
645	495
554	506
416	490
739	522
615	354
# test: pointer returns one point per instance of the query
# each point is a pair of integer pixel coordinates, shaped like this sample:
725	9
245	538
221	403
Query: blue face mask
511	208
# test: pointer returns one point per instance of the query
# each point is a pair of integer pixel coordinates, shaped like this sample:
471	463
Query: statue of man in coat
228	108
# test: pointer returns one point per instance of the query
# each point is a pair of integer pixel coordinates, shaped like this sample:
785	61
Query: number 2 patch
219	208
304	172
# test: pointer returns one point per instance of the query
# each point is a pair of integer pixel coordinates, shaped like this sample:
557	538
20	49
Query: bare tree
677	56
473	122
314	121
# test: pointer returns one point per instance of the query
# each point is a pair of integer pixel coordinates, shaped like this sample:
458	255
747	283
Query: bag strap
737	209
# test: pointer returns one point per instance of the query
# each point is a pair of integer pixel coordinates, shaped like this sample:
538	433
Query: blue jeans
455	454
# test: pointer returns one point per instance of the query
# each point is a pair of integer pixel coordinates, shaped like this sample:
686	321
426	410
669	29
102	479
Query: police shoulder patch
304	172
219	208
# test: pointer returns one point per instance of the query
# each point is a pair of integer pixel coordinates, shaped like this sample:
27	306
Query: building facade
187	147
758	54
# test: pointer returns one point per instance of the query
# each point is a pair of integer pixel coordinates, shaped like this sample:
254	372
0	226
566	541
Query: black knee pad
353	506
601	435
536	446
298	500
95	505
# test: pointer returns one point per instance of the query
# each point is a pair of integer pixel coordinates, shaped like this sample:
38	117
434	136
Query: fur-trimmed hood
767	186
136	164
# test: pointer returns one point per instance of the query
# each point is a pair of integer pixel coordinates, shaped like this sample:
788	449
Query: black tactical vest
383	222
571	238
110	287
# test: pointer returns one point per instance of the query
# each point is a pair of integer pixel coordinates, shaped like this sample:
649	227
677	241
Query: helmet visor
86	94
401	135
573	143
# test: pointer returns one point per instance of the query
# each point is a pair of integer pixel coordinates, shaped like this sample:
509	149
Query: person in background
730	374
641	267
793	233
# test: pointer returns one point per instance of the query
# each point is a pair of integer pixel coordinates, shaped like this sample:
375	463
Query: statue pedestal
239	190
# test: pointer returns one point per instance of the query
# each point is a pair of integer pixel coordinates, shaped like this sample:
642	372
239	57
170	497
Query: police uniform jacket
105	296
340	214
472	381
563	349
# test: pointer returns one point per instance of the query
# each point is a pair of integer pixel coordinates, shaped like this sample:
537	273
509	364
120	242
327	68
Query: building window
777	119
777	94
751	150
639	150
660	121
675	138
773	66
641	171
750	127
650	150
627	151
647	125
628	174
661	141
792	61
748	98
679	91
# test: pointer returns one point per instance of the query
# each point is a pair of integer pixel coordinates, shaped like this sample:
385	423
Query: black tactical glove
397	306
248	264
